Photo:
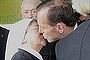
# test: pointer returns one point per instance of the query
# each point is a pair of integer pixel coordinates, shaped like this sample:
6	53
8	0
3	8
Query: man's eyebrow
25	10
29	9
33	9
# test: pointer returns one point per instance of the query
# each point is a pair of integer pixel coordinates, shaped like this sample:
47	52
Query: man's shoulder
74	42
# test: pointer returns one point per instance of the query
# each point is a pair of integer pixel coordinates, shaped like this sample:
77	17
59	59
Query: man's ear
60	27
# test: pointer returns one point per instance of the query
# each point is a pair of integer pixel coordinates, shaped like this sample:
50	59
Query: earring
24	41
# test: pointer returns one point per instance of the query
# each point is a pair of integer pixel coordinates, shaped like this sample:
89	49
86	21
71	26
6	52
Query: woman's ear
60	27
23	41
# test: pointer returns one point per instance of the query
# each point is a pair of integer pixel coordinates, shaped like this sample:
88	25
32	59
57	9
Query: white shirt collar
75	26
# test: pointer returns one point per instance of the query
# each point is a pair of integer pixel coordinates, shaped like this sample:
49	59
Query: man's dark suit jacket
75	46
48	52
23	55
3	39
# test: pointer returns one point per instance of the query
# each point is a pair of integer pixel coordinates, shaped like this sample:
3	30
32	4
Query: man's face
49	32
28	11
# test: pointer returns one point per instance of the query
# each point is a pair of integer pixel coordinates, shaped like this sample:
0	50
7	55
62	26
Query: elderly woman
31	43
27	39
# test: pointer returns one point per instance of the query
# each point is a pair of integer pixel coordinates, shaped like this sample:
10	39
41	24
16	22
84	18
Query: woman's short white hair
82	6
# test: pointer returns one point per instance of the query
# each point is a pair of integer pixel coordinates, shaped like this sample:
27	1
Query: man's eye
34	11
26	12
36	28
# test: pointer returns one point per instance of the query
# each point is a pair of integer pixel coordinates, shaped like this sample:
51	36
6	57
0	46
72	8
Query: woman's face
33	36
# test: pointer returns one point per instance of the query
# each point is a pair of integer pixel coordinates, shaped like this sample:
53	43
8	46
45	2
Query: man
76	46
28	8
56	20
3	40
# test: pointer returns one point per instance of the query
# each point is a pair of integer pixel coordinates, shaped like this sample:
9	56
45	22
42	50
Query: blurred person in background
28	8
3	40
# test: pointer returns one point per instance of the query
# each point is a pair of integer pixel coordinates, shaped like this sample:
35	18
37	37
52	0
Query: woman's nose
29	15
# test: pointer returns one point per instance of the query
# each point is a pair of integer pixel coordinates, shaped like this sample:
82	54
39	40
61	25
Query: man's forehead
29	6
42	22
42	15
43	10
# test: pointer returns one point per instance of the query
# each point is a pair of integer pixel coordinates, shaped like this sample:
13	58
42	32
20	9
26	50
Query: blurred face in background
28	8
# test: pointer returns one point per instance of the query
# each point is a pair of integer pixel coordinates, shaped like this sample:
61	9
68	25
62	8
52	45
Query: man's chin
50	41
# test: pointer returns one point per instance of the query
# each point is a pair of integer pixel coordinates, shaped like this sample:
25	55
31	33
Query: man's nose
30	15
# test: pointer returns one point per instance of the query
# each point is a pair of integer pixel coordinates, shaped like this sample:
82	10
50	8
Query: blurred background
9	11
